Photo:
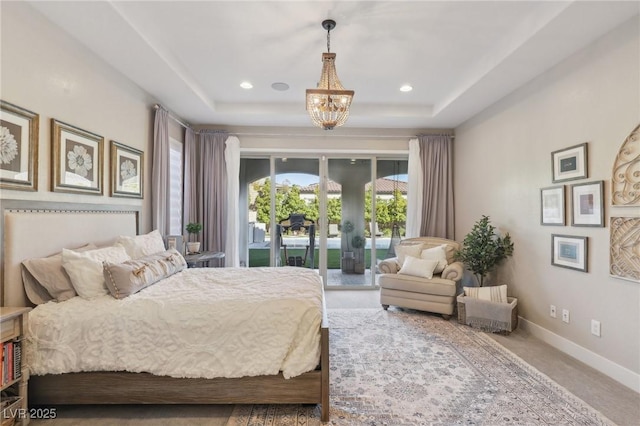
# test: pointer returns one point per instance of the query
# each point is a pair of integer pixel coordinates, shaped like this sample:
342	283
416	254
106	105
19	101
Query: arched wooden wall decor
625	180
625	248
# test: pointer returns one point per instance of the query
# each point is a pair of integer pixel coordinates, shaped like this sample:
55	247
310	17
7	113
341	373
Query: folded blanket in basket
489	316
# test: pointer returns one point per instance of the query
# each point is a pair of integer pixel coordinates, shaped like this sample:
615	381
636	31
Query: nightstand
199	259
15	375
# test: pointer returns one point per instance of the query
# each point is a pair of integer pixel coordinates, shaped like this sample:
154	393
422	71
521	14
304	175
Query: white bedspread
206	322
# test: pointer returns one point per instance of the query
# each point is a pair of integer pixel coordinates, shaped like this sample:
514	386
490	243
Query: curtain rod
453	136
173	116
346	136
185	124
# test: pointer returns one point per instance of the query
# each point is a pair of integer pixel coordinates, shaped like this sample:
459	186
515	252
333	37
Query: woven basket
462	314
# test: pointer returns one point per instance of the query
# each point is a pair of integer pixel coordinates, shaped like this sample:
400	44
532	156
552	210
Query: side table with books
14	373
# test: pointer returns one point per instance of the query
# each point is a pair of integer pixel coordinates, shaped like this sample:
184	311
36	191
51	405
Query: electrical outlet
565	315
595	327
552	311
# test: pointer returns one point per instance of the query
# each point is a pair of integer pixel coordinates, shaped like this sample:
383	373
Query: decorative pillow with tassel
127	278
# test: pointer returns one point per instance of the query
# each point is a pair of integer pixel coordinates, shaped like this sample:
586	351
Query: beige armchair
436	294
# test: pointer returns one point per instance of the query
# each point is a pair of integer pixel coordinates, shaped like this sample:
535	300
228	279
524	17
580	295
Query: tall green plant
483	249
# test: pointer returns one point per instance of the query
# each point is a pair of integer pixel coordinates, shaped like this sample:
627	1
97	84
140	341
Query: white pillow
45	279
418	267
404	250
85	268
436	253
142	245
496	293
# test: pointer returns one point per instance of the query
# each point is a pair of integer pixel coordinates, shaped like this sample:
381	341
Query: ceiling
459	56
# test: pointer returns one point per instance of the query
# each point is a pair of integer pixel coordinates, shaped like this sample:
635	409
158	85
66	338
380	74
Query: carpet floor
396	367
409	368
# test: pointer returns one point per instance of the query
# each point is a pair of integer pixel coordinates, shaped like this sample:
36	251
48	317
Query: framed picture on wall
569	252
569	163
552	206
18	148
126	171
77	159
587	201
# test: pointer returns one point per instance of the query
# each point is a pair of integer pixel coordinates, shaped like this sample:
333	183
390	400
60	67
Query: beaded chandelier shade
328	105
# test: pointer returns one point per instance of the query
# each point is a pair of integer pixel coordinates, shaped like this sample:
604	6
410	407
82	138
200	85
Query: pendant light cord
329	74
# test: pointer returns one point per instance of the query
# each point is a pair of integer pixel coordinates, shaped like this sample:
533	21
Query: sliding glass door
391	204
295	211
349	252
333	214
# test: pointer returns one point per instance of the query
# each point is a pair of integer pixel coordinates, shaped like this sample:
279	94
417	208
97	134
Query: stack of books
11	361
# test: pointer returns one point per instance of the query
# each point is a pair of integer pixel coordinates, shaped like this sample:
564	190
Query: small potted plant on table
193	229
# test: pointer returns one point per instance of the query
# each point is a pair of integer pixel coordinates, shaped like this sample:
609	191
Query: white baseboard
617	372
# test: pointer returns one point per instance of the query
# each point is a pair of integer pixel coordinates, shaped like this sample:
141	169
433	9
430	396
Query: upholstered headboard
29	233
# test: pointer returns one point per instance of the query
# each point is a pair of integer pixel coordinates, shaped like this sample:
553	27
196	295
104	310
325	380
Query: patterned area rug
409	368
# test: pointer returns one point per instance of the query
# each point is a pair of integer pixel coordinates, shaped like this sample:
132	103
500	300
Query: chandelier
328	104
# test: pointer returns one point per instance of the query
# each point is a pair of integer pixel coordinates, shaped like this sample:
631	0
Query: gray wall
503	158
47	72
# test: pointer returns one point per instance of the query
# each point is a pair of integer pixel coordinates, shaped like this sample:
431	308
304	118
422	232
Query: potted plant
482	249
358	242
193	229
347	256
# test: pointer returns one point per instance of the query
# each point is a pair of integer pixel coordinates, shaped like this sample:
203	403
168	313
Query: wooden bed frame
55	226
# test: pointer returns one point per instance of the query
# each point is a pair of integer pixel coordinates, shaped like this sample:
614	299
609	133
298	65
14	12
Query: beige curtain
436	155
232	159
206	187
191	149
414	190
160	173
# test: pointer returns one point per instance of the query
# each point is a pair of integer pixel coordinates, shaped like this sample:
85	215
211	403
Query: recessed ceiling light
281	87
406	88
246	85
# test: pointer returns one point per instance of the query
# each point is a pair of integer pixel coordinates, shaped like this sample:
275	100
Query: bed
39	232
